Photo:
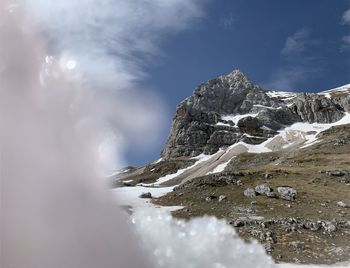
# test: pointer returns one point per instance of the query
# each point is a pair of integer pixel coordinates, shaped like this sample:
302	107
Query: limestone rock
287	193
250	192
263	189
146	195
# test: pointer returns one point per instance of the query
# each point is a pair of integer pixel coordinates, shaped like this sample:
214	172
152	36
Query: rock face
317	108
230	108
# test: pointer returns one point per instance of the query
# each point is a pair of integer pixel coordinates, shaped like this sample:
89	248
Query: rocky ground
307	221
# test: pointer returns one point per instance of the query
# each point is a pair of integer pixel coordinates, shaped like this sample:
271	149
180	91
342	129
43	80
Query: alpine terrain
275	165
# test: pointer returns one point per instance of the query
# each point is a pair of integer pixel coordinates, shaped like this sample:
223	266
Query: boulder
249	192
146	195
263	189
337	173
210	198
287	193
222	198
343	204
329	226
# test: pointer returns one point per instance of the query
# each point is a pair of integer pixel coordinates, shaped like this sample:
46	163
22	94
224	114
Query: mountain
230	108
273	164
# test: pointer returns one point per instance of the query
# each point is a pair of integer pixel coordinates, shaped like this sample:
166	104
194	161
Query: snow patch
283	95
344	88
200	158
310	131
267	107
129	196
219	168
234	118
158	161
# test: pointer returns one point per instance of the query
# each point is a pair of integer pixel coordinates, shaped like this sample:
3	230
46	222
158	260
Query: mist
70	106
54	210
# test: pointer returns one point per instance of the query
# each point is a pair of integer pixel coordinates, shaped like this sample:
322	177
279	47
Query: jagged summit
237	75
229	109
234	81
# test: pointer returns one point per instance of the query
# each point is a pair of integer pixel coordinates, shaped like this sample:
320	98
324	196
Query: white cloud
346	17
228	21
298	62
114	39
296	43
346	38
290	76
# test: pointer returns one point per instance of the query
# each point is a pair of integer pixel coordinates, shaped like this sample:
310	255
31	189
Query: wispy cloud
290	76
227	21
298	62
346	38
114	39
346	17
296	43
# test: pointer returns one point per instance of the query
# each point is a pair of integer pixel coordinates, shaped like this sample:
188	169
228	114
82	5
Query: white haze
69	103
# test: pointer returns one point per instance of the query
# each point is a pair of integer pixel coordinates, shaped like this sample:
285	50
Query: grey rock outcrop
229	109
343	101
313	107
146	195
287	193
249	192
263	189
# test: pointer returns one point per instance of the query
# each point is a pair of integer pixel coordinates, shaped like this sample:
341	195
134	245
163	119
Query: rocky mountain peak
230	108
237	76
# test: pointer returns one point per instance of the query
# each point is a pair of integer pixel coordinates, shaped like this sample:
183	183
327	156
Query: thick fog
70	106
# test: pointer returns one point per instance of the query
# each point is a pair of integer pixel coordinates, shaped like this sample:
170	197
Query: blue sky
288	45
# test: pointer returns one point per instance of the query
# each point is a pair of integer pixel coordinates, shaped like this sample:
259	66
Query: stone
287	193
297	244
229	178
329	227
146	195
312	226
238	223
337	173
267	176
210	198
263	189
343	204
272	195
249	192
222	198
268	247
347	224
